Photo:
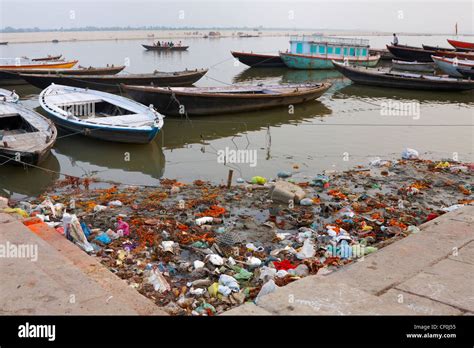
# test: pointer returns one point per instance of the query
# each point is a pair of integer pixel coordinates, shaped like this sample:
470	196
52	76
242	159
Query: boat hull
461	45
168	102
383	80
108	134
259	60
46	65
411	54
299	61
466	72
447	67
417	67
112	83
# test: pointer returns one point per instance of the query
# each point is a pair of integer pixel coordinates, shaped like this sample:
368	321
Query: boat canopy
335	47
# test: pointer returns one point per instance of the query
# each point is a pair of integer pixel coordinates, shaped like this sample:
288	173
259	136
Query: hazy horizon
432	17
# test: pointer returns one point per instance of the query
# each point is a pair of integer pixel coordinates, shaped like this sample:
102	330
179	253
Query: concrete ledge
64	279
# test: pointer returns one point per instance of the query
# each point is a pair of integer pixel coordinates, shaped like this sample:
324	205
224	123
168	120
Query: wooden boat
381	78
12	76
25	135
222	100
8	96
165	48
299	61
4	43
466	72
462	45
450	65
412	66
111	83
21	63
421	55
317	52
259	60
47	59
437	48
100	115
382	52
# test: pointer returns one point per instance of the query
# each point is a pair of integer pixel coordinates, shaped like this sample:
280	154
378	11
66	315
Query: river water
344	128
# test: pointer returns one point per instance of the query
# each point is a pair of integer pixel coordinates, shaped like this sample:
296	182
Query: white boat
25	135
450	65
100	115
9	96
412	66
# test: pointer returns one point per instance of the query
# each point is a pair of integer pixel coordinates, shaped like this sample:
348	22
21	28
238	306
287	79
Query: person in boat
158	44
395	39
179	44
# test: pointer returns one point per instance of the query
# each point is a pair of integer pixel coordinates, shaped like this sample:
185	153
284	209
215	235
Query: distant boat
100	115
46	59
222	100
259	60
25	135
165	48
4	43
412	66
12	76
55	41
318	52
111	83
461	45
450	65
22	63
381	78
8	96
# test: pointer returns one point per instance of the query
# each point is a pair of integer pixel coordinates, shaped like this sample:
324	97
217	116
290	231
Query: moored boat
195	101
12	76
25	136
381	78
450	65
318	52
8	96
468	73
437	48
111	83
100	115
4	43
462	45
259	60
412	54
412	66
165	48
22	63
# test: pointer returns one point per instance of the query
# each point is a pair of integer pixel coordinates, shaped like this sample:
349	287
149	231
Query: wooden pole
229	178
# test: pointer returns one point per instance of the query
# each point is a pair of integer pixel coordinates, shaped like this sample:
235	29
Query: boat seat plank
132	120
72	98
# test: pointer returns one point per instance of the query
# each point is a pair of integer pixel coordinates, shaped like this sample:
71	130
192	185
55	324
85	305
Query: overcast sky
377	15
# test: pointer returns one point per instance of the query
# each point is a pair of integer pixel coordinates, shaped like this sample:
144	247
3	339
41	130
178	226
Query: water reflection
28	181
180	132
284	75
370	92
147	159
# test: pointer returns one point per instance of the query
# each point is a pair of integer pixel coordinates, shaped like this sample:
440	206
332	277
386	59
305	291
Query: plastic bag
266	289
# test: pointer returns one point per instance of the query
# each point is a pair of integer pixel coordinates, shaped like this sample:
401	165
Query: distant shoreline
72	36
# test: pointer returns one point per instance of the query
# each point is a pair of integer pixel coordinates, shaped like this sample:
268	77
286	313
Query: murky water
344	128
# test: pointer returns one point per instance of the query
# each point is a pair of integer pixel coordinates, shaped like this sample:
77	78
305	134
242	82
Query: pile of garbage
201	249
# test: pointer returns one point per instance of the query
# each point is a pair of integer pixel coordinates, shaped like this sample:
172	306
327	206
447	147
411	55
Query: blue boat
318	52
100	115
